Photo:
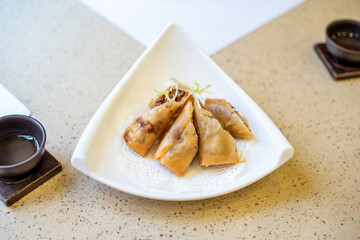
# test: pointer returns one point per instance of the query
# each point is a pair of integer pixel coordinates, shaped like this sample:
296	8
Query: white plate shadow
173	54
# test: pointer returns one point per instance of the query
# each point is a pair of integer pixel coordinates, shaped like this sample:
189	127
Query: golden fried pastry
146	129
229	118
181	96
180	144
216	145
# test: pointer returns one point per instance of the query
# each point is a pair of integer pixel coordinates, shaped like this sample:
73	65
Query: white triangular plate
102	155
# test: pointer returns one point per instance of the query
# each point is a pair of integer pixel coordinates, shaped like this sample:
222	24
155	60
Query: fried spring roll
216	145
181	97
180	144
229	118
146	129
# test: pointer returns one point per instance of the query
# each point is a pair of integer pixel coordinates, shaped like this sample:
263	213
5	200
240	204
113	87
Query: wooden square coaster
337	70
14	188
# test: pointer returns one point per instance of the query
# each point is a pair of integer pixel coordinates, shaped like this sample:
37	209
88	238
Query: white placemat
9	104
213	24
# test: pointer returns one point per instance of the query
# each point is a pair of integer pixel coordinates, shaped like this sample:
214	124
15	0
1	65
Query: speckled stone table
62	60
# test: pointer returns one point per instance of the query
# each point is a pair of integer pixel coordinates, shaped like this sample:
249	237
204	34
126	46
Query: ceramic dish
102	154
343	40
22	144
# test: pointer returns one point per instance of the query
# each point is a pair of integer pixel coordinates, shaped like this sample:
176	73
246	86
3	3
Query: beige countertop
62	60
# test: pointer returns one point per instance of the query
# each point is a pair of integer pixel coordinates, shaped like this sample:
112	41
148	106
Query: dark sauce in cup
347	40
16	148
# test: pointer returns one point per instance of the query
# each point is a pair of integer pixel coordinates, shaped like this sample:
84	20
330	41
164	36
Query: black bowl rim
41	145
337	23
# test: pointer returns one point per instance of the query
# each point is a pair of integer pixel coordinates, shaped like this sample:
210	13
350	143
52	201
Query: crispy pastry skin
216	145
229	118
181	97
146	129
180	144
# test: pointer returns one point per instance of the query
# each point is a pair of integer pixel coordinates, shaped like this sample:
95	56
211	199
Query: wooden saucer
336	69
14	188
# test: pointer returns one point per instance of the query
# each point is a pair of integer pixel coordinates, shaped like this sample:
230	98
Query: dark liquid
350	43
17	148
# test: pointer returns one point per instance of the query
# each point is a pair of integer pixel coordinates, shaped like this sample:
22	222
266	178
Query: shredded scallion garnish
195	90
198	90
167	91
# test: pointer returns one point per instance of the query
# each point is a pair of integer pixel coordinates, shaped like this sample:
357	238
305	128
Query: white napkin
213	24
9	104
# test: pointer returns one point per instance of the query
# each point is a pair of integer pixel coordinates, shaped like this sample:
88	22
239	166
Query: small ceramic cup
343	41
21	125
